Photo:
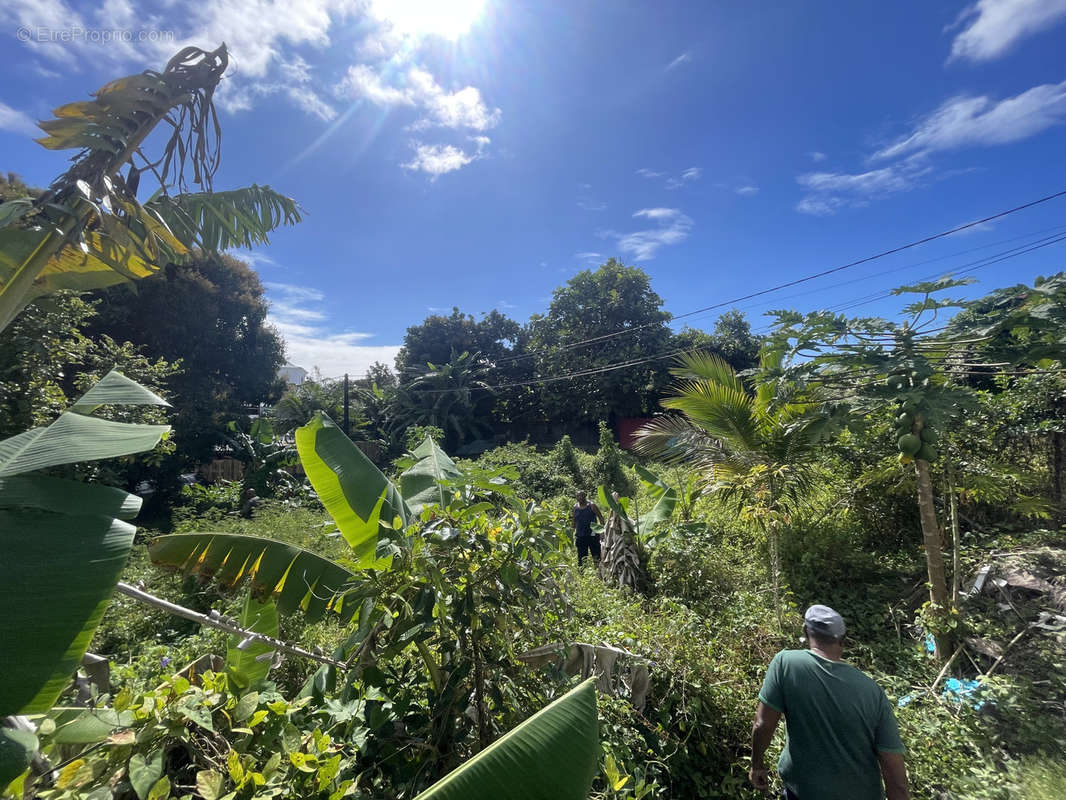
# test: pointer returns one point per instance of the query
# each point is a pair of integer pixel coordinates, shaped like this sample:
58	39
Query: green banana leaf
64	544
59	573
17	749
116	389
242	666
665	495
553	755
422	483
296	579
359	498
63	496
75	437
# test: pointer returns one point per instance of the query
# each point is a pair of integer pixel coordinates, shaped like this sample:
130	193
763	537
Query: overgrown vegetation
360	615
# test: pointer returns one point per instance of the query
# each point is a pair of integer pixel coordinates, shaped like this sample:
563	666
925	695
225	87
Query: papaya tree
871	365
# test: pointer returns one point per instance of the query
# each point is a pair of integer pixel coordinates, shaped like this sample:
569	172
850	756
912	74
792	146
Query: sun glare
448	18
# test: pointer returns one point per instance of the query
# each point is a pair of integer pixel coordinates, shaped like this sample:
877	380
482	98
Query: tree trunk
934	556
1058	466
956	578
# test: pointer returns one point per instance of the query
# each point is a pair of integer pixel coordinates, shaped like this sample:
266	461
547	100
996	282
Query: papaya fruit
926	453
909	444
930	435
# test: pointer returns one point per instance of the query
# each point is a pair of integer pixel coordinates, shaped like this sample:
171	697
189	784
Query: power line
994	259
797	281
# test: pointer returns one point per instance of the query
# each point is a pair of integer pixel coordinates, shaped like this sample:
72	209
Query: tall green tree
439	337
731	339
208	316
598	305
755	449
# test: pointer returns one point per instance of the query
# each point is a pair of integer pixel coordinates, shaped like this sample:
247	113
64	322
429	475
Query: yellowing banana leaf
295	578
359	498
553	755
75	437
103	262
116	389
67	497
422	483
59	572
247	667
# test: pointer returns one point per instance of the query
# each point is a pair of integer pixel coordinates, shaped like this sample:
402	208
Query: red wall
625	427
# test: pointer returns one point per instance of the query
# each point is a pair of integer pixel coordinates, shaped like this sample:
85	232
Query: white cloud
684	58
293	293
673	228
657	213
831	191
959	122
309	343
503	305
363	81
460	109
309	101
817	156
969	121
747	191
992	27
16	121
438	159
644	172
588	256
690	174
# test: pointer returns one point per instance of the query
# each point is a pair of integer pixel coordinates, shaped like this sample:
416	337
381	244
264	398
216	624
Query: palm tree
89	230
754	450
444	396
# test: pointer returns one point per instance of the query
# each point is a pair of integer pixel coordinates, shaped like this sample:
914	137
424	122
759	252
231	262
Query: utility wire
846	305
677	351
798	281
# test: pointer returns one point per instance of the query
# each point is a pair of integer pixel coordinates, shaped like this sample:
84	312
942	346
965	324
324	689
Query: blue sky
479	153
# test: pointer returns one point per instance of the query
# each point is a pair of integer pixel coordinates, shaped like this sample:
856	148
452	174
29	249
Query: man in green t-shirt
842	733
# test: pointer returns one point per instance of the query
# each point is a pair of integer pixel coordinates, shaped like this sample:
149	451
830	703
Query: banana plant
88	230
65	542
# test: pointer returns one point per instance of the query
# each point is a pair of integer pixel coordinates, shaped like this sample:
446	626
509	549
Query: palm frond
216	221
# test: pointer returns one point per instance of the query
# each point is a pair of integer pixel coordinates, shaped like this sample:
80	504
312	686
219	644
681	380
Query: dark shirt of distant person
843	741
588	543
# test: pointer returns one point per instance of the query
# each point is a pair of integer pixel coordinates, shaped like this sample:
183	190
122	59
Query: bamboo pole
218	622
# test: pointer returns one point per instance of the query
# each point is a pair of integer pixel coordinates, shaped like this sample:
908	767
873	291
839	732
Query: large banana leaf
295	578
422	483
116	389
359	498
664	495
59	572
75	437
63	542
89	231
64	497
553	755
248	666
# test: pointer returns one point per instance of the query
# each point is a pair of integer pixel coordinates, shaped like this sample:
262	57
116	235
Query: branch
215	620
